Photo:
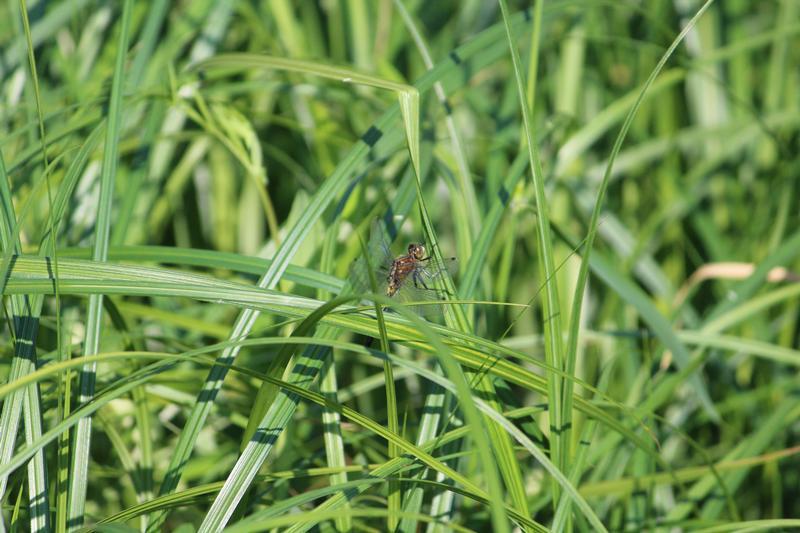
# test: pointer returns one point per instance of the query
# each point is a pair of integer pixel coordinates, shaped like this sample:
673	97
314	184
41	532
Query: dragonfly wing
450	264
422	301
378	245
420	294
432	269
380	259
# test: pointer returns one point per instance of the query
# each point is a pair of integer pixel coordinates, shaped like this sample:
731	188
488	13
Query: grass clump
186	186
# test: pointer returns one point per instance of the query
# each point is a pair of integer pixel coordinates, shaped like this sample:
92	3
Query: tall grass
185	188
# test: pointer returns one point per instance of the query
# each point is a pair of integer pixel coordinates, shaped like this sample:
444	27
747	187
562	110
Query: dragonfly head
417	251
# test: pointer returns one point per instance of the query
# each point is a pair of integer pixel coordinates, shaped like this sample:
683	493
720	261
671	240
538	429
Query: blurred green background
186	182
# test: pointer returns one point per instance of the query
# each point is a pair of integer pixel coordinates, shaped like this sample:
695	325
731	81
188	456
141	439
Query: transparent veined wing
380	259
422	286
419	288
433	269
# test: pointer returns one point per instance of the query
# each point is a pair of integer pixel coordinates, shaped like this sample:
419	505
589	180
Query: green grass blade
551	313
603	268
265	435
408	95
335	452
395	497
580	287
82	436
466	187
26	324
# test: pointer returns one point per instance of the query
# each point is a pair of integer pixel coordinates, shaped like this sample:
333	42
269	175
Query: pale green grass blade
67	187
145	466
8	219
395	497
488	232
551	313
766	350
9	238
148	41
612	114
335	452
26	324
82	437
466	187
408	95
146	47
589	437
216	17
21	363
265	436
334	445
38	495
457	319
212	259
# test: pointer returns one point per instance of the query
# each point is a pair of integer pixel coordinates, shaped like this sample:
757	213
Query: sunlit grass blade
280	408
394	499
82	437
408	95
551	313
81	278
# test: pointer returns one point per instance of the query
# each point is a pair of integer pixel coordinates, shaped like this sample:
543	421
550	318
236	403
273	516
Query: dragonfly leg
419	281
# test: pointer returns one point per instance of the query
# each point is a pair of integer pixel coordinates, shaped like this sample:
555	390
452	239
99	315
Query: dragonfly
410	277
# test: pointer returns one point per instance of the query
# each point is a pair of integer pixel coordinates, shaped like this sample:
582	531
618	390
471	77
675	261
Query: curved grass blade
82	436
551	312
580	287
408	95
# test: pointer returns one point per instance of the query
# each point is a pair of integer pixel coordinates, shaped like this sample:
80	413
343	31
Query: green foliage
184	189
